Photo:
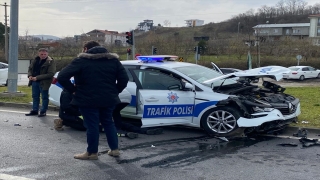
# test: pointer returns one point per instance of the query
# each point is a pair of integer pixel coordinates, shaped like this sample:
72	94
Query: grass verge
309	98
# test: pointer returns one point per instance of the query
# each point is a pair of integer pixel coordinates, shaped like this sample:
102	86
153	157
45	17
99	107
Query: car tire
6	83
214	123
301	78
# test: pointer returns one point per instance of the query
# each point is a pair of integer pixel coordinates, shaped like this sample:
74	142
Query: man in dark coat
99	78
40	74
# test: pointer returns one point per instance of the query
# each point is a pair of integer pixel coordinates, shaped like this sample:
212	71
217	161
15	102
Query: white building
194	22
108	37
146	25
315	28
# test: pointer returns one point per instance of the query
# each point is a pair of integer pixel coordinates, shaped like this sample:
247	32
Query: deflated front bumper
264	117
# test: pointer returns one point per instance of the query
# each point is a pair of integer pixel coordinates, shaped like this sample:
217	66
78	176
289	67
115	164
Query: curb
26	105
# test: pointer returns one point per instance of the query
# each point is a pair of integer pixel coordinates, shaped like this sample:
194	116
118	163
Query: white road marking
10	177
23	112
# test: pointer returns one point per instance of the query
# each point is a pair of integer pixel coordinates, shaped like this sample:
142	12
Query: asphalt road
34	150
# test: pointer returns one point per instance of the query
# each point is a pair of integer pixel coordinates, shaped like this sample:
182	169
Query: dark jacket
69	113
47	71
99	78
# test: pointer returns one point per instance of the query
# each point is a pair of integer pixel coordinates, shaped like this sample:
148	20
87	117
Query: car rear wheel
301	78
221	121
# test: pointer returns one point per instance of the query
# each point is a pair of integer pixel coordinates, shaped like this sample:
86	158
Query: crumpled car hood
273	72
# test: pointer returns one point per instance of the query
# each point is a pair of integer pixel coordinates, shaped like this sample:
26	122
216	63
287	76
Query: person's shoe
58	124
114	153
131	135
154	131
86	156
32	113
42	114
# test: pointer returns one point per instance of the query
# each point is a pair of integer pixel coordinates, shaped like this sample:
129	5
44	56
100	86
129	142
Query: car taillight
54	80
294	73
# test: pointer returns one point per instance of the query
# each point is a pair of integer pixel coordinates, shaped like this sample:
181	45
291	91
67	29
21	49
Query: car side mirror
189	86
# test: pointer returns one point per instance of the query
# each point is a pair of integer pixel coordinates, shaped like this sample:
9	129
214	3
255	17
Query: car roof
298	66
164	64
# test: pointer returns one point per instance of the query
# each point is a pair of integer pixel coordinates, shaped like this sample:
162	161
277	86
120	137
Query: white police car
166	92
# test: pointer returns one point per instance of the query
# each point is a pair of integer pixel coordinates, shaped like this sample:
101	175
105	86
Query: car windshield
201	74
293	68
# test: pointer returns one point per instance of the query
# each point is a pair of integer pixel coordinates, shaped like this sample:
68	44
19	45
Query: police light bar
157	58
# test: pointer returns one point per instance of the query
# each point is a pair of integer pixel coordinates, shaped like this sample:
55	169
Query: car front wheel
221	121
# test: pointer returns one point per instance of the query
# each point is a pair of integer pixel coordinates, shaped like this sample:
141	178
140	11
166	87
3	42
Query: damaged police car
166	92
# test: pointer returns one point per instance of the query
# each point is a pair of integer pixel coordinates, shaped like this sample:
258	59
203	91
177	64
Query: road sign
299	57
180	59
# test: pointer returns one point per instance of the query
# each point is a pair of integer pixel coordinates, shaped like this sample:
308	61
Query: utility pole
6	31
13	50
238	28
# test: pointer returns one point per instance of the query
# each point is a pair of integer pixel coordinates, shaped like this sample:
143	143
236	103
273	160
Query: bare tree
166	23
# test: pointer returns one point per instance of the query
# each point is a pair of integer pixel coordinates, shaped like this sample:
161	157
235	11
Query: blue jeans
92	117
36	91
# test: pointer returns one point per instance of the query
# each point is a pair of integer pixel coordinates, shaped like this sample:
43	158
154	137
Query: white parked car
166	92
3	73
302	72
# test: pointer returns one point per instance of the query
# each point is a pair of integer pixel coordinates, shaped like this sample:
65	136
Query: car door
305	72
161	99
313	72
3	73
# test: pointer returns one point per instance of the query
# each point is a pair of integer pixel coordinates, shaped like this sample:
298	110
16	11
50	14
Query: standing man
99	77
40	73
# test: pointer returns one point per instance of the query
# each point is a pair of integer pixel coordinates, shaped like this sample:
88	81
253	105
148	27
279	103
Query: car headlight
259	109
268	109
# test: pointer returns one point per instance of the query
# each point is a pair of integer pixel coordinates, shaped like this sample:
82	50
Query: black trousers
122	126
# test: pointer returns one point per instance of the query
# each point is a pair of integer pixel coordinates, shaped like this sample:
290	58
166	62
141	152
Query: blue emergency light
157	58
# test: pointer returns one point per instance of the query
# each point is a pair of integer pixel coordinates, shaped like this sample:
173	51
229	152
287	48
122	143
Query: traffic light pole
196	55
152	50
133	46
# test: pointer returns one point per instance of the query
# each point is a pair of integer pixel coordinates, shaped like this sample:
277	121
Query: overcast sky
69	17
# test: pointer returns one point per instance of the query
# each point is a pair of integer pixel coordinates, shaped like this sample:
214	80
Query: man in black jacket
69	114
99	77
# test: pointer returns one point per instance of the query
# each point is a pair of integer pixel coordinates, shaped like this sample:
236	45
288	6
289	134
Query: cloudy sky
69	17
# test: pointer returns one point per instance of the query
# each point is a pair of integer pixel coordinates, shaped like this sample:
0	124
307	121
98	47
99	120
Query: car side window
311	69
227	71
2	66
305	69
127	67
156	80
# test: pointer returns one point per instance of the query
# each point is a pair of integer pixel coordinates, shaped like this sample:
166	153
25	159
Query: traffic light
129	51
199	50
195	49
154	51
129	37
